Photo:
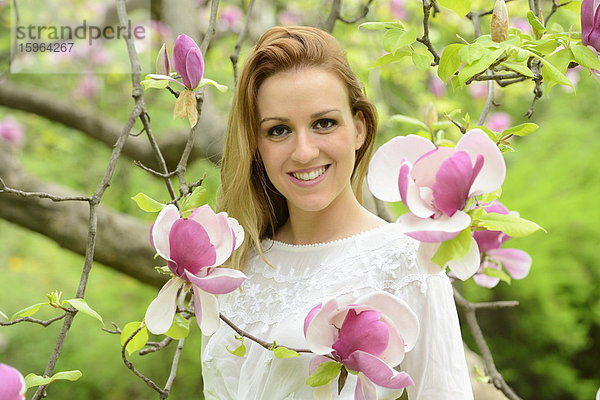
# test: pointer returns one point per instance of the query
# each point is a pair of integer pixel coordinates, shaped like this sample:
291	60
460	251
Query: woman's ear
361	129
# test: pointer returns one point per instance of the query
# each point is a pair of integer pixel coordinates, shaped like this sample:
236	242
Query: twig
34	320
173	372
156	346
153	172
382	211
129	365
266	345
6	189
555	6
334	15
210	31
361	15
498	77
488	101
427	5
469	310
94	203
238	45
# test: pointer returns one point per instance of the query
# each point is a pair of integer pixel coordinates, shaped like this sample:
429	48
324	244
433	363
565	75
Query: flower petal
384	168
465	267
362	331
400	314
493	172
452	183
159	232
160	313
13	384
218	280
424	255
379	372
517	262
410	194
320	334
182	46
484	280
437	229
426	167
238	231
191	248
206	309
194	65
218	229
311	314
365	389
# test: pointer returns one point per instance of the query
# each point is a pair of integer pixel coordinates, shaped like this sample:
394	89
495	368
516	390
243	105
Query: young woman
298	144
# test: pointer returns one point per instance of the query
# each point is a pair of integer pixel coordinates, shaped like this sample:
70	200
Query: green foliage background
547	348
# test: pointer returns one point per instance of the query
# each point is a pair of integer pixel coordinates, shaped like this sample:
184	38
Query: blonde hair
246	192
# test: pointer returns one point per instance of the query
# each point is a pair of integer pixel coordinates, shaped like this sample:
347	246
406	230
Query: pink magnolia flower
435	184
12	384
499	121
516	262
590	23
187	61
398	9
193	247
12	131
369	337
437	86
231	18
478	90
521	24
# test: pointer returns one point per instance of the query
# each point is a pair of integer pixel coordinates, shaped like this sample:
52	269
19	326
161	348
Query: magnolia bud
499	26
431	116
162	61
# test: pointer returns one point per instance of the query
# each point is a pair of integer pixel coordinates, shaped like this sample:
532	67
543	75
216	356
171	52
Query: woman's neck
342	218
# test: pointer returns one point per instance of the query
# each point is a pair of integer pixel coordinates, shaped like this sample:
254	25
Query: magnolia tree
449	184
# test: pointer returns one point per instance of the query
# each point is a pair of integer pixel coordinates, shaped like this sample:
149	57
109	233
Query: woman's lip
299	171
312	182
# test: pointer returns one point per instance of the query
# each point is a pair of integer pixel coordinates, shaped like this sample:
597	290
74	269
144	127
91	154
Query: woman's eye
278	131
325	124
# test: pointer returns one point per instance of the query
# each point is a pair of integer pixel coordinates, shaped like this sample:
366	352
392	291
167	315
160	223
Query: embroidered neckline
283	245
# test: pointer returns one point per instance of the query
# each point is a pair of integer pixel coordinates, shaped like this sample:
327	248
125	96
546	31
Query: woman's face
308	137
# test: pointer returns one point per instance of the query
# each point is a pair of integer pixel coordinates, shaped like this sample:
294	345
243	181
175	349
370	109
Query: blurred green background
547	348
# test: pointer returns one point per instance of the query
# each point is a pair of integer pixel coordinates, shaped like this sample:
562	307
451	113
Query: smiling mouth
309	176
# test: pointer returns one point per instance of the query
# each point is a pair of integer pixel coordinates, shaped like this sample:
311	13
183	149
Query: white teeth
309	176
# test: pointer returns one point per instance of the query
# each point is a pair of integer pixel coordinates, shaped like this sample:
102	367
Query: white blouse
273	303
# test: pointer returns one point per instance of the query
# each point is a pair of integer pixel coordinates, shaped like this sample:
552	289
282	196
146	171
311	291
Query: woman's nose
305	149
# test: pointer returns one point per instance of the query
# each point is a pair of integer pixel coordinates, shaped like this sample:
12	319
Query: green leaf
29	311
409	120
138	341
574	6
480	375
375	26
32	380
3	315
497	273
585	56
154	83
324	373
390	58
480	65
510	224
520	68
82	306
535	23
521	130
194	200
206	81
180	328
395	39
449	61
241	350
422	60
488	197
542	47
147	203
460	7
471	53
453	249
284	352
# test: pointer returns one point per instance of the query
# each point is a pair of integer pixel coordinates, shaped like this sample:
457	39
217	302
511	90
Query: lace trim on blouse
379	259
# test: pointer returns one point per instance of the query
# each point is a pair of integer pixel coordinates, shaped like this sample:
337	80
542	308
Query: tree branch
427	5
238	45
468	310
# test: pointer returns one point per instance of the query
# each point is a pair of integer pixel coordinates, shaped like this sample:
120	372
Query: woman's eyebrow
316	115
273	118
